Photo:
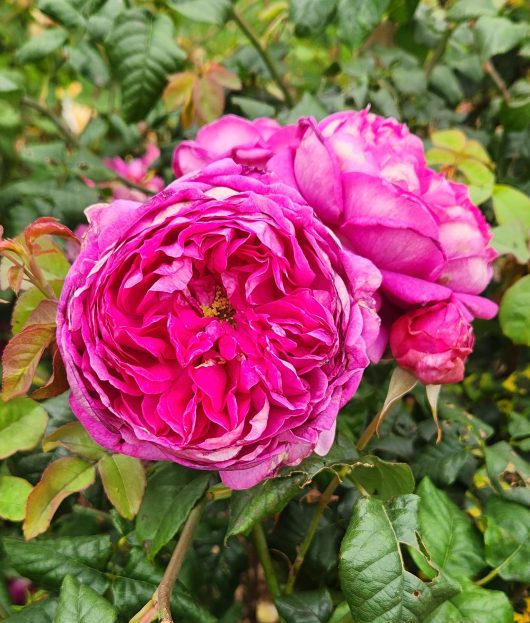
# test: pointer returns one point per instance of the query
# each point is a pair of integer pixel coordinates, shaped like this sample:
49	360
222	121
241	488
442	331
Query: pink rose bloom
137	171
251	143
366	177
220	325
433	342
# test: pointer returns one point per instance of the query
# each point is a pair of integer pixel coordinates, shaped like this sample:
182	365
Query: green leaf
358	18
511	205
251	108
305	607
445	81
510	238
62	11
73	437
47	562
508	472
307	106
442	462
497	35
208	11
171	493
25	305
372	572
250	506
409	80
382	479
21	356
474	605
462	10
514	312
451	539
59	480
143	52
22	424
507	538
40	611
123	479
13	495
42	45
402	11
79	603
310	16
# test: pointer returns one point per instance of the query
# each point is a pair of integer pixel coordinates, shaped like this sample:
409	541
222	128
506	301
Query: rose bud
433	342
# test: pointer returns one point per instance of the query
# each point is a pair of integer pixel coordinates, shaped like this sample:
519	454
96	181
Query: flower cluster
223	323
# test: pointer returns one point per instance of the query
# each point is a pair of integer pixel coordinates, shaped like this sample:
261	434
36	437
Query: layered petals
219	325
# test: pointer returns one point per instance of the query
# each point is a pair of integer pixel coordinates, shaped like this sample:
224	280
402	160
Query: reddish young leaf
15	275
44	313
223	76
57	383
59	480
47	225
21	356
208	99
179	89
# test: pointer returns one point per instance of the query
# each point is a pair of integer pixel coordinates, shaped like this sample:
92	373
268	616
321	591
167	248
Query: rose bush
219	325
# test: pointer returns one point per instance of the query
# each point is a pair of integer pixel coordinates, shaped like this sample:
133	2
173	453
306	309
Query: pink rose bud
18	590
433	342
219	325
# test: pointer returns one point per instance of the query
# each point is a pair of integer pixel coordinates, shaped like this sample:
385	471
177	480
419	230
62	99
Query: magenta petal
317	174
408	291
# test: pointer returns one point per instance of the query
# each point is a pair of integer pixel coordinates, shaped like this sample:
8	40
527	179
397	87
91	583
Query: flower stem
323	502
313	526
488	578
368	433
162	596
70	137
263	53
265	560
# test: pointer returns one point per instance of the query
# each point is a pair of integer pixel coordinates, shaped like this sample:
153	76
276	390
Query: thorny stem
165	588
265	56
489	68
325	498
438	52
265	560
313	526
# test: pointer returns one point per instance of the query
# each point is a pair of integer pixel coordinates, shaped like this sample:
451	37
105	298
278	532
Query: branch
70	137
265	560
489	68
265	56
165	588
306	543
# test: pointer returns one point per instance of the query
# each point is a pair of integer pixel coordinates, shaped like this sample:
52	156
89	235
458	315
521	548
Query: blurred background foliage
85	80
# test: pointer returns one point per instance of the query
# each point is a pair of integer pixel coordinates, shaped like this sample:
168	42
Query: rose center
219	308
